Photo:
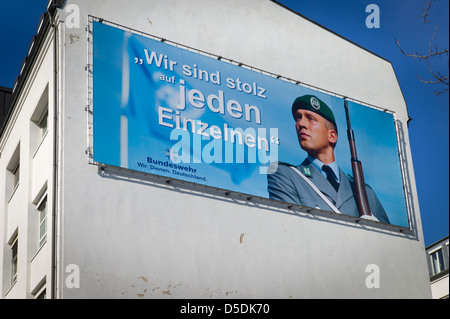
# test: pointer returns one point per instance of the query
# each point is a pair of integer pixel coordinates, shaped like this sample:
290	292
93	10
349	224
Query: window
16	174
39	126
40	291
39	122
42	295
14	251
13	173
42	209
42	123
437	261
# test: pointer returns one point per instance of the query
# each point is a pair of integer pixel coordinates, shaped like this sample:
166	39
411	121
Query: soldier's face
313	132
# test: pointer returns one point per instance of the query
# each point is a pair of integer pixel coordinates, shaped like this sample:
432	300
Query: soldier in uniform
317	134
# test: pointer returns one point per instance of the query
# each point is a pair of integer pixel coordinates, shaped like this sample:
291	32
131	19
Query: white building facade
74	228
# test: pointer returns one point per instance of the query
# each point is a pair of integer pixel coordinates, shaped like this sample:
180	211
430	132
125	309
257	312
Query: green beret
314	104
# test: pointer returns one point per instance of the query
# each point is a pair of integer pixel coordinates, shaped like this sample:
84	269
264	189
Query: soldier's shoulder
279	166
285	163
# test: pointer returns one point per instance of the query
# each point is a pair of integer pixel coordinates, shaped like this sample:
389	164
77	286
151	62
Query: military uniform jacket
285	185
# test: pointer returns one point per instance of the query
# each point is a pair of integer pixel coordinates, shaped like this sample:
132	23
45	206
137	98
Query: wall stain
74	38
241	238
144	279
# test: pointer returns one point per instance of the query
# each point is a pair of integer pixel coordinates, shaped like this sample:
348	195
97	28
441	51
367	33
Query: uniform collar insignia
306	171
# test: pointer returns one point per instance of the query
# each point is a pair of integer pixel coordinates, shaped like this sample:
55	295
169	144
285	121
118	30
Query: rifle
360	186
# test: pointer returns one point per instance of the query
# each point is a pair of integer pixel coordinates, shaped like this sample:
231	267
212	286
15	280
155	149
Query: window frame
16	174
39	122
40	206
43	119
437	264
13	173
14	246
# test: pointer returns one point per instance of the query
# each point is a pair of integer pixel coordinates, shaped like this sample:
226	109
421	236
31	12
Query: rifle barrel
362	201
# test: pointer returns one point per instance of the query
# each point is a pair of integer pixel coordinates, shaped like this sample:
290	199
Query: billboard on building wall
169	111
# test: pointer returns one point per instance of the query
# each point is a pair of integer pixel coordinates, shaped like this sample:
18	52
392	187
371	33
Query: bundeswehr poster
173	112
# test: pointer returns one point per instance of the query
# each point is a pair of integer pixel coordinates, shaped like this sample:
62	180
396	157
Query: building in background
5	97
437	254
94	204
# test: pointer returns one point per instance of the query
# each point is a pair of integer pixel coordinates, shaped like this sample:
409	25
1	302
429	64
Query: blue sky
401	20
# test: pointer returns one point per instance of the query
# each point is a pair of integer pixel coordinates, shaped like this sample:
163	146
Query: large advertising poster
166	110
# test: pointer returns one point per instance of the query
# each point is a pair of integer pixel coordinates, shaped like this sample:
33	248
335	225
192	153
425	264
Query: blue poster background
142	92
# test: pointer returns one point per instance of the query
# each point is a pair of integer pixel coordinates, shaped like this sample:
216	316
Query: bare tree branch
436	78
439	79
426	10
424	56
